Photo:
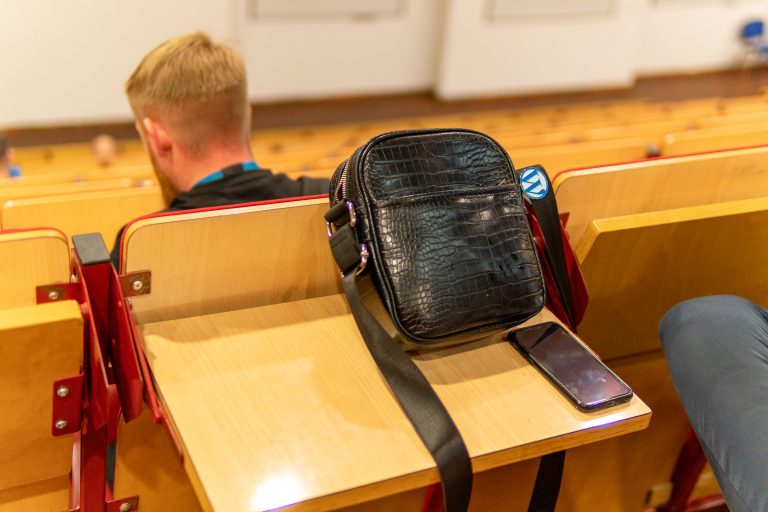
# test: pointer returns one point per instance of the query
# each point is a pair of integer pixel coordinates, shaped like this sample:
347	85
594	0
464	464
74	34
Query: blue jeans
717	349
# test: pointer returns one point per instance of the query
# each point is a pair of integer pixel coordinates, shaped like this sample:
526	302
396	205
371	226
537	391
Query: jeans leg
717	349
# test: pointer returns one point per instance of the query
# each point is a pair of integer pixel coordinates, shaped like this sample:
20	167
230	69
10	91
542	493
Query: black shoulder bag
437	219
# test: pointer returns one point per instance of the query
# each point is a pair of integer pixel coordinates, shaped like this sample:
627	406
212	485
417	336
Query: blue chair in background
755	44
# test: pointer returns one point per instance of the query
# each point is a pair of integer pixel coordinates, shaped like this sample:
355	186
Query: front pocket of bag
458	263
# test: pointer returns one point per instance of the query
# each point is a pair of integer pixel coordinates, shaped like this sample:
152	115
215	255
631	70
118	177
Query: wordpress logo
534	183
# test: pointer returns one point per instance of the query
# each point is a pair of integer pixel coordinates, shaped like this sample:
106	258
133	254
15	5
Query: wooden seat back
557	157
103	212
57	189
659	184
39	344
29	259
638	266
711	139
136	172
653	131
193	269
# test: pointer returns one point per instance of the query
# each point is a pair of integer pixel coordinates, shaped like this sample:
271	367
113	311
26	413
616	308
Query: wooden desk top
282	405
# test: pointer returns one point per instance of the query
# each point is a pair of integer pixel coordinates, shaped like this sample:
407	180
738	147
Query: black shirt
234	185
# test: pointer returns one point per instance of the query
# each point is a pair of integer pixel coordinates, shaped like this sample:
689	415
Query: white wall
693	36
332	56
482	56
65	62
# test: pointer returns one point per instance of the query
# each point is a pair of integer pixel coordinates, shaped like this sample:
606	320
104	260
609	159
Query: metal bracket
124	505
58	291
136	283
67	405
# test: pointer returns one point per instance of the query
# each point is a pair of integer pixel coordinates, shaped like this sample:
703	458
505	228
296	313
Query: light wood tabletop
281	405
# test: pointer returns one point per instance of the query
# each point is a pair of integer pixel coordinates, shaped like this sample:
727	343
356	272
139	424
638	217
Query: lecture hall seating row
700	210
307	149
642	212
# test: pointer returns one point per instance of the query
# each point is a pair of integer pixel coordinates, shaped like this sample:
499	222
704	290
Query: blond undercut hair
196	87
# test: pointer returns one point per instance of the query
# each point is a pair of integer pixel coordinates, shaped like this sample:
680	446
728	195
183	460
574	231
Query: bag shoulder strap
416	397
419	402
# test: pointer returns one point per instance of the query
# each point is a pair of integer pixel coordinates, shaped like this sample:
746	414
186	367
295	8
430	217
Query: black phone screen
570	365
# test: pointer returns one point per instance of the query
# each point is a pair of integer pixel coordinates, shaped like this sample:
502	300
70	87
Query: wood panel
660	184
321	404
711	139
239	257
38	345
139	173
653	131
504	488
30	259
44	496
13	193
56	158
148	466
748	118
101	212
558	157
638	266
618	473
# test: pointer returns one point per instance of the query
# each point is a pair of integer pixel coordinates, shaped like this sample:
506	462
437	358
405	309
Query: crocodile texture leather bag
437	220
442	218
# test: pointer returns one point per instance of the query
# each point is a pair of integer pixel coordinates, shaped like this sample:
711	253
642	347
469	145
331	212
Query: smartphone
576	371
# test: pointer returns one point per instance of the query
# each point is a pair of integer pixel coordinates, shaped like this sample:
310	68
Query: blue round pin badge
534	183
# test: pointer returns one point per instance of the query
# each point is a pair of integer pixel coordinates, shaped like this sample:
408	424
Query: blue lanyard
234	169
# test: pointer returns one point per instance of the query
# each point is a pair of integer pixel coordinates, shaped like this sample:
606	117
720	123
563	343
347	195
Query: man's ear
157	137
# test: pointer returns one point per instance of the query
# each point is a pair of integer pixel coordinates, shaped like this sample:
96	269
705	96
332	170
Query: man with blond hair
190	101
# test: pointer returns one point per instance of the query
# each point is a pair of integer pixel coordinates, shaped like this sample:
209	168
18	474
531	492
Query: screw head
53	295
61	424
62	391
137	285
126	506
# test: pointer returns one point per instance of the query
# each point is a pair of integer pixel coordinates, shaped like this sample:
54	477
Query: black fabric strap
547	486
548	216
431	420
420	403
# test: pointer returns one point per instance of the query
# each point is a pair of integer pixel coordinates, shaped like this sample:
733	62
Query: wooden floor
344	110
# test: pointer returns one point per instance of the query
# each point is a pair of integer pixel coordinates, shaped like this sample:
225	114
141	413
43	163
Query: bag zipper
341	187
